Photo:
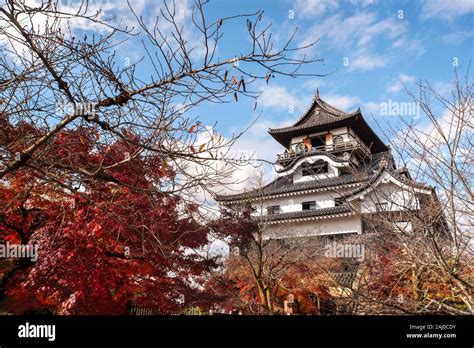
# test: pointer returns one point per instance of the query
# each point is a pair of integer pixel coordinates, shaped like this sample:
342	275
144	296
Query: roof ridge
331	110
303	126
305	113
385	163
363	174
345	208
406	180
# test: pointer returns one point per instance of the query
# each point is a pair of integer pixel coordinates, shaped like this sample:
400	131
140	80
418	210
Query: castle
334	173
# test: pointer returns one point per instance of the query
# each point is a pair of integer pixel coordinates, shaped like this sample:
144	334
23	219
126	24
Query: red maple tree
111	239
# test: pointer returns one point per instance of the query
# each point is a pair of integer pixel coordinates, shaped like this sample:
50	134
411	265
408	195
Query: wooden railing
287	157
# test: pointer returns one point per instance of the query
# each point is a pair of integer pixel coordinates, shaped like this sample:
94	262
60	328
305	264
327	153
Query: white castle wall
341	225
293	203
397	199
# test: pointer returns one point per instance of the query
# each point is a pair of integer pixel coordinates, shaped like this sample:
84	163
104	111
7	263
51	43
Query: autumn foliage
103	240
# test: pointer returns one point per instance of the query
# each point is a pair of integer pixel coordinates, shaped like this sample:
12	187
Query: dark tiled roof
319	113
321	116
408	180
391	170
285	184
308	213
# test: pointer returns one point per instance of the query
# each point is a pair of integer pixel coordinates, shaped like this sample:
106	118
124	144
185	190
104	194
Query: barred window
309	205
319	167
273	209
338	139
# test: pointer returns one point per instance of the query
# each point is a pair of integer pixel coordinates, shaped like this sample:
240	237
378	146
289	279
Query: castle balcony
336	149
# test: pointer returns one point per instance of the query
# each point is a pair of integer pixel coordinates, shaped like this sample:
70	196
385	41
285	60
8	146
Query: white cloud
358	37
278	97
457	37
366	61
315	83
232	168
112	12
443	87
362	3
339	31
310	8
314	8
258	146
343	102
371	108
429	159
390	28
225	167
446	9
412	47
397	85
359	30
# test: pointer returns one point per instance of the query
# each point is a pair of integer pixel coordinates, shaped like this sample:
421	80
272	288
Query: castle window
318	141
273	209
309	205
319	167
345	171
338	139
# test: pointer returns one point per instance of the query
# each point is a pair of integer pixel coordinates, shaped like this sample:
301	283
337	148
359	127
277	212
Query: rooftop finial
317	92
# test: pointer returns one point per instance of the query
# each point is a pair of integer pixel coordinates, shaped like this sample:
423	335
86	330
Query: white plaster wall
342	225
293	203
397	198
297	140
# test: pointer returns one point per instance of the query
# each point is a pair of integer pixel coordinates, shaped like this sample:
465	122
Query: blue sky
384	42
368	47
